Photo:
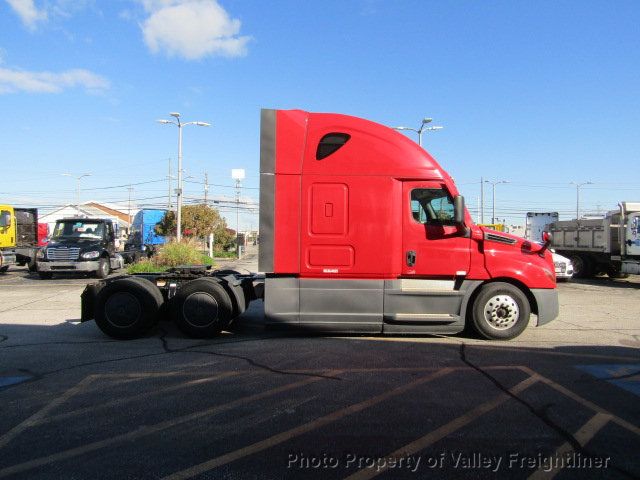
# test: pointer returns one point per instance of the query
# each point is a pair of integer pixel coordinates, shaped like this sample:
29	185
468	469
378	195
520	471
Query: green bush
171	255
225	254
145	266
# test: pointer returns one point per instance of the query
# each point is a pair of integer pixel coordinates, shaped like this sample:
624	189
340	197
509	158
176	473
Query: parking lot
560	401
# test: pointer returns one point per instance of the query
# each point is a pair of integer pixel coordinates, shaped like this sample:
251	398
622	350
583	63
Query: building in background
94	210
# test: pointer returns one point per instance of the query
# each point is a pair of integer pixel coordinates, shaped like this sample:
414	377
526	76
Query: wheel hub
200	309
122	309
501	312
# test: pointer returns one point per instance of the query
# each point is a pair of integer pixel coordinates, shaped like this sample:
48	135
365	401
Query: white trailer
535	224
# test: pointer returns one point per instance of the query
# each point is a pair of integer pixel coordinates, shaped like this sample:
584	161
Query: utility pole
130	190
493	195
169	178
578	185
481	200
206	188
238	174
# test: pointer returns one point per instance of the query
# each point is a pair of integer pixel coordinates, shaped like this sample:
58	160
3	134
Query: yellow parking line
158	427
592	406
305	428
447	429
122	400
583	436
40	414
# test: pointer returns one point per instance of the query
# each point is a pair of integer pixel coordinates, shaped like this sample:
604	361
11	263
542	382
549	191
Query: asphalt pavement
560	401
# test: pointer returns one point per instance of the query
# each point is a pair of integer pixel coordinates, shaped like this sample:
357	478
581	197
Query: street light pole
493	200
423	128
77	188
578	185
238	175
179	124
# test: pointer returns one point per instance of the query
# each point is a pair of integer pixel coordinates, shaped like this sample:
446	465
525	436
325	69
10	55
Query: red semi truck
361	231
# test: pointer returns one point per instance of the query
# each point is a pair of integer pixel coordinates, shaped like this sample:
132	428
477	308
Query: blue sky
540	93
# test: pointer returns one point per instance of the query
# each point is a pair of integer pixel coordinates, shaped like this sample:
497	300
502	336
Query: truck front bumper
548	305
7	258
67	266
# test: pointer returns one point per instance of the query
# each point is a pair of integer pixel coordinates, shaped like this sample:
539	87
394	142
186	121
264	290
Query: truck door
110	239
7	227
433	245
633	234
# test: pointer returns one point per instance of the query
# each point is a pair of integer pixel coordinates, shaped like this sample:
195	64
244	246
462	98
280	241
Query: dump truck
361	231
18	237
608	245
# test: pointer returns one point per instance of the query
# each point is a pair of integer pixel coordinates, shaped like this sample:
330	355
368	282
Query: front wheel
103	268
500	311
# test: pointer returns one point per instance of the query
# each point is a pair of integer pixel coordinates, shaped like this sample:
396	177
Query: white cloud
28	12
12	80
192	29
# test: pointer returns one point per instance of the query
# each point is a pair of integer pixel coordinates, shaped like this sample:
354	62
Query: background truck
143	238
608	245
18	237
361	231
80	245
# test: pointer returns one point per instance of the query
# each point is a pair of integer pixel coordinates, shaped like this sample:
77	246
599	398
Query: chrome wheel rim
501	312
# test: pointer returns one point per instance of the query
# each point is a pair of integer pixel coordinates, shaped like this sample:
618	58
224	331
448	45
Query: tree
198	221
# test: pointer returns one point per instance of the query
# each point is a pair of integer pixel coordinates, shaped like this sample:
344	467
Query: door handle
411	258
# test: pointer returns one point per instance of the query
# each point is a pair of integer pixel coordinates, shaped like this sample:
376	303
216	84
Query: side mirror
547	238
5	219
458	209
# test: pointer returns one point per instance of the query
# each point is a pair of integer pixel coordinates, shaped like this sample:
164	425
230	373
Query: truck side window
432	206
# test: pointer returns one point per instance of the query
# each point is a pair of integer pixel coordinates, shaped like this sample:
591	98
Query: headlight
89	255
41	254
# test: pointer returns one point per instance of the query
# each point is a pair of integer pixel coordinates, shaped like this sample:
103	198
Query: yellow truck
18	237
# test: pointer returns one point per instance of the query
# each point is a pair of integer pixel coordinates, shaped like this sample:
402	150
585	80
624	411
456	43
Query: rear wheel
500	311
4	269
582	266
128	307
202	308
613	271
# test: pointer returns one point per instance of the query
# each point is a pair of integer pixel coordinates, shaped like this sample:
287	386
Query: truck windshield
78	229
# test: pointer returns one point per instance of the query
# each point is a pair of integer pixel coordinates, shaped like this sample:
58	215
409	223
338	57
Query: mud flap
88	301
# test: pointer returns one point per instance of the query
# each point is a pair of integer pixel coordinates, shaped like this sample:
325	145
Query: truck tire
500	311
33	265
582	266
614	272
45	275
4	269
202	308
104	268
128	307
